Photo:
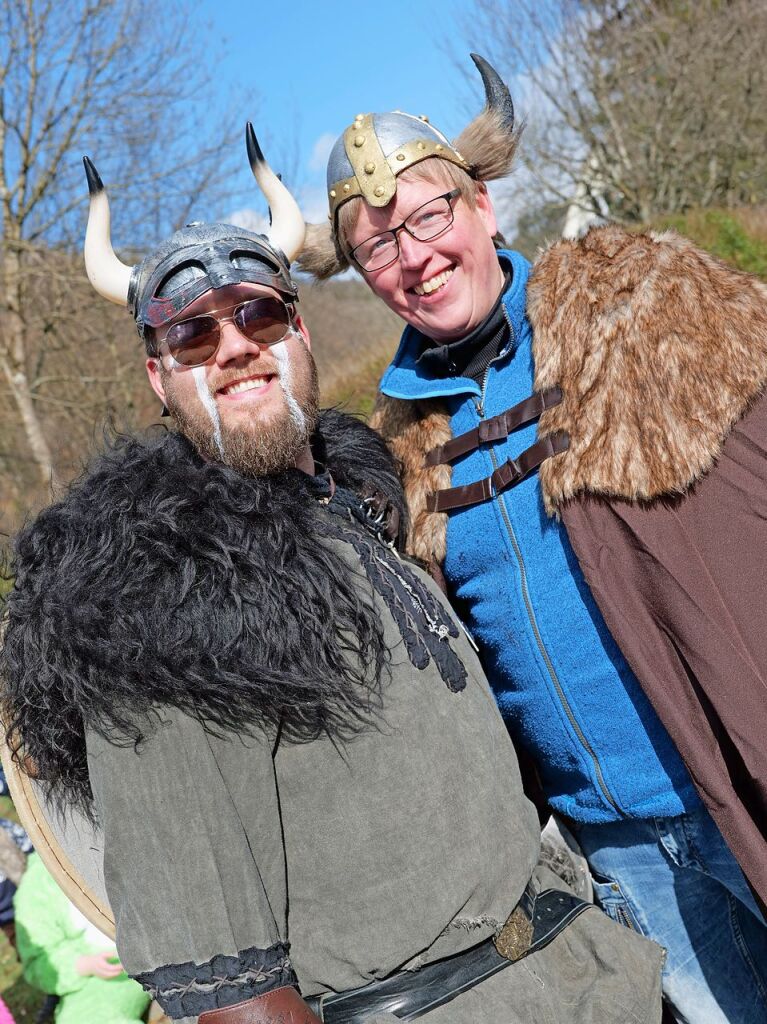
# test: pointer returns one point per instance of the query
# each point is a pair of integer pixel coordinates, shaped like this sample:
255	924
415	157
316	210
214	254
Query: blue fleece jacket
563	686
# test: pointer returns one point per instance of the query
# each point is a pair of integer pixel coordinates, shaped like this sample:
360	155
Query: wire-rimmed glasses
423	224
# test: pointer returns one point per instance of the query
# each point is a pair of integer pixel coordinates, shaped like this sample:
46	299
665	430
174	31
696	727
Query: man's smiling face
443	287
251	406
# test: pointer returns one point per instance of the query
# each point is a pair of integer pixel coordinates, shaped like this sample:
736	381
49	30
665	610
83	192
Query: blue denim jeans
675	881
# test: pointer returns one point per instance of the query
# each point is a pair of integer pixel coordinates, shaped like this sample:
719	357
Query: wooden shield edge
33	818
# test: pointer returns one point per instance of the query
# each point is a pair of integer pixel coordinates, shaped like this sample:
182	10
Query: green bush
737	237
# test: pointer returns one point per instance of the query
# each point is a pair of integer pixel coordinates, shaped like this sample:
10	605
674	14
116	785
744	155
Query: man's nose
233	345
412	253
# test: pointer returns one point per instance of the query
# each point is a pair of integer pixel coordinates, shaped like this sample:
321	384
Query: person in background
64	955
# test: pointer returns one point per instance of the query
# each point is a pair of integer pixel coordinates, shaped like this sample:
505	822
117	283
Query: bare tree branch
82	76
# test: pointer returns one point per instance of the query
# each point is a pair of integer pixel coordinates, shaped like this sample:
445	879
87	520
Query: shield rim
33	818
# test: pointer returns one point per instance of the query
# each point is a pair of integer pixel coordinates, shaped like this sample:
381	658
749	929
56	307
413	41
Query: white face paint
280	353
209	404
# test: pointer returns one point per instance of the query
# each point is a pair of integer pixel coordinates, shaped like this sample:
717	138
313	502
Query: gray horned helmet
366	160
198	257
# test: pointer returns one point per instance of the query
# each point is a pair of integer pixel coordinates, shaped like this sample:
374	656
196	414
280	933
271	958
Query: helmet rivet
369	168
422	145
423	117
347	187
438	147
379	191
359	141
400	156
332	193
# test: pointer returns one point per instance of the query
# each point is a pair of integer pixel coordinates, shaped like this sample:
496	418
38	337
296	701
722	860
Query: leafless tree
640	106
124	81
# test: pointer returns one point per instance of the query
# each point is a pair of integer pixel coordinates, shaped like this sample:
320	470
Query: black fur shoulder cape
160	579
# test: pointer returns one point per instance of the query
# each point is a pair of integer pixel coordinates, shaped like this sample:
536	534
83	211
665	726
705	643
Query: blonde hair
433	169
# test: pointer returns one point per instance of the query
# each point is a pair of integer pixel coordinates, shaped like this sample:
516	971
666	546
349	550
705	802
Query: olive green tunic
406	844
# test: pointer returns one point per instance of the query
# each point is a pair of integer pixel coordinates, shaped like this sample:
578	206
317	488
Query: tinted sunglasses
192	342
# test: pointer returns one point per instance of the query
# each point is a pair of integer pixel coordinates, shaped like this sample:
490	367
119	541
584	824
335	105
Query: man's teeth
427	287
246	385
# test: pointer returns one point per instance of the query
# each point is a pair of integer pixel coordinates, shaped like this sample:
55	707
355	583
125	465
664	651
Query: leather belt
497	428
534	922
508	474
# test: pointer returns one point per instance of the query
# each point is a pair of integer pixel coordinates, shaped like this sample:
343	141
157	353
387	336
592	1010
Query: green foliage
22	1000
739	237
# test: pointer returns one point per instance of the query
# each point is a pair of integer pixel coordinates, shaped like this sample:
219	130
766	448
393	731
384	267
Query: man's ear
486	210
155	379
303	330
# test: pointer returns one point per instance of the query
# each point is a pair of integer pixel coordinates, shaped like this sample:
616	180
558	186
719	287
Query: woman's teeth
427	287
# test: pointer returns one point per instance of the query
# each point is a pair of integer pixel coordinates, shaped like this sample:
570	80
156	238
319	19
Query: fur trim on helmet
489	146
161	579
322	256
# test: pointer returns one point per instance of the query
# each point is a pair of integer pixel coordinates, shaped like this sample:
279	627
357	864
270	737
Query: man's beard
257	448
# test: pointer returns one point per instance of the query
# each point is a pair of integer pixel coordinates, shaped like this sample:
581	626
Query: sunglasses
192	342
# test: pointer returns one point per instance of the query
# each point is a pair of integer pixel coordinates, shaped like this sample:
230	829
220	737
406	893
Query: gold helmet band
376	148
362	150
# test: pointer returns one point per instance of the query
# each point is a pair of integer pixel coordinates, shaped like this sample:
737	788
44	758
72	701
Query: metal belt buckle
516	936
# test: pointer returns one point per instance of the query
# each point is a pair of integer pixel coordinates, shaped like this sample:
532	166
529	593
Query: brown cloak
661	353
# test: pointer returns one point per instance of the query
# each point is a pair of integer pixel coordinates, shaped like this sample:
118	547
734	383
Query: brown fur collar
411	429
659	349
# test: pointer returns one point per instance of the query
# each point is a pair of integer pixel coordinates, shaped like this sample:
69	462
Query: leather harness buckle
492	430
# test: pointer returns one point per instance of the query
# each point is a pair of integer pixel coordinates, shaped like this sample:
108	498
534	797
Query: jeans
675	881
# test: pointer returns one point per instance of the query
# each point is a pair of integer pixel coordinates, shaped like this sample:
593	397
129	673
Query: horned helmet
199	256
367	159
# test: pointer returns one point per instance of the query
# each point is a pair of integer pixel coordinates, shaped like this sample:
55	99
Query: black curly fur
162	579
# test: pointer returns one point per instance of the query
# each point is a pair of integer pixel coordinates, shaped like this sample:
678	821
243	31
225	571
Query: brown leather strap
507	475
280	1005
495	429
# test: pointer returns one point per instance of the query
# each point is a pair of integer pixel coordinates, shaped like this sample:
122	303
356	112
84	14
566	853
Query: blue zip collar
405	379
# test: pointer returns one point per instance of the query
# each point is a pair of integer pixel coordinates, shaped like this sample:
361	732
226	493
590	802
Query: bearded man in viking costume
308	805
583	446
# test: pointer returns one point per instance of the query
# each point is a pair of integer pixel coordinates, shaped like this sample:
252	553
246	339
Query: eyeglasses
423	224
192	342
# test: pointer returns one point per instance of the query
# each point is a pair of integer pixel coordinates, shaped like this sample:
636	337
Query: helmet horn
108	275
288	230
497	95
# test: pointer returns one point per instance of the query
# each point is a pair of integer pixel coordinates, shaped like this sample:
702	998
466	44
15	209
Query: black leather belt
534	922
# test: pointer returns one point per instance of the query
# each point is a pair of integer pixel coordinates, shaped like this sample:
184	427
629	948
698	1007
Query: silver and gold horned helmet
366	160
198	257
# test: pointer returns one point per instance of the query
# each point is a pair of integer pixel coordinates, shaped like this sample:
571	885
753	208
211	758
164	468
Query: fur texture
161	579
411	429
488	145
659	349
321	255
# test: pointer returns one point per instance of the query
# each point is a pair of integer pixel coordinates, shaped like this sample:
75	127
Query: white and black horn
288	229
108	275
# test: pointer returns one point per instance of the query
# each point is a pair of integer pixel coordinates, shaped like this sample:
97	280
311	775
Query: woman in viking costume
583	445
274	728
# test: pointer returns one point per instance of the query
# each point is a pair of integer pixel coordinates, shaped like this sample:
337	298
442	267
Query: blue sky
314	65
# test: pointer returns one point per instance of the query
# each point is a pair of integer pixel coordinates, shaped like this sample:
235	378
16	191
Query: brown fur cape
661	354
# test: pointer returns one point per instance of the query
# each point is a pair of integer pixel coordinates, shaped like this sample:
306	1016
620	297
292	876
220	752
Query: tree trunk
13	351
